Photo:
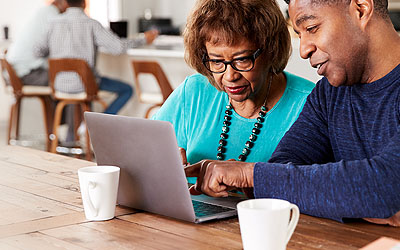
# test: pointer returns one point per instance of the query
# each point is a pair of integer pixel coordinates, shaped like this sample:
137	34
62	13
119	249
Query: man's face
331	39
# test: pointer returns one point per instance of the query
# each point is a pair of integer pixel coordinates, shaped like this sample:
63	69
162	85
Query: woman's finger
182	151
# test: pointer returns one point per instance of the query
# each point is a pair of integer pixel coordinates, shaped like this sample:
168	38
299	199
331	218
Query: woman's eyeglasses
242	64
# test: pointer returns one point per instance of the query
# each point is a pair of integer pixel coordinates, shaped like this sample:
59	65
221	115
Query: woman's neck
269	95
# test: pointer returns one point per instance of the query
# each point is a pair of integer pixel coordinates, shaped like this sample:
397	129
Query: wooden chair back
82	68
40	92
152	67
14	80
75	65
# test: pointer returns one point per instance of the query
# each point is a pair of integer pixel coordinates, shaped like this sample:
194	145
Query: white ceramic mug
99	189
267	223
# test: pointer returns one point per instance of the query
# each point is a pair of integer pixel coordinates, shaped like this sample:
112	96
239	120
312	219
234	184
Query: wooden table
41	208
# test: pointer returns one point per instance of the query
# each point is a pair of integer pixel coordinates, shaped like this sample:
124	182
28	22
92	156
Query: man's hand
392	221
216	178
150	35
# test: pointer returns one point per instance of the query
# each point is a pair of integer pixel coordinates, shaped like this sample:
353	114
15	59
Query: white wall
14	14
175	9
132	10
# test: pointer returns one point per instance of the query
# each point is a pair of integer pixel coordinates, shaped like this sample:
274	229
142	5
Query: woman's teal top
197	109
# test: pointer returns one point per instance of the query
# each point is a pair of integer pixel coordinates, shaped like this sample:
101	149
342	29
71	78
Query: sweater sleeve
108	41
302	171
41	47
307	141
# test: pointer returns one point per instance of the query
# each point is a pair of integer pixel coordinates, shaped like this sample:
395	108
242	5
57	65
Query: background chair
155	98
82	101
21	91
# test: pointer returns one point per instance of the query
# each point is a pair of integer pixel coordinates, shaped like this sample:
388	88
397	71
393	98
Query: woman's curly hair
260	22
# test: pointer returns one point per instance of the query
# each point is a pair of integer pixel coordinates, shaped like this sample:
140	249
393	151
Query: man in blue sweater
341	158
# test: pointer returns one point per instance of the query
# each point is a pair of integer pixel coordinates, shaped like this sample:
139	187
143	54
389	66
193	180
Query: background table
41	208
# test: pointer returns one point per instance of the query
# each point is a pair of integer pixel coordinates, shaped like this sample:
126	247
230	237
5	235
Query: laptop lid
152	177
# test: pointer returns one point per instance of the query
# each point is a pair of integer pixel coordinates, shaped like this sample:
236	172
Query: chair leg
17	116
86	107
50	109
150	109
47	107
103	103
11	121
57	120
77	121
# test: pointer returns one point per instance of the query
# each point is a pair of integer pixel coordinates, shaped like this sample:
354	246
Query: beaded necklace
254	132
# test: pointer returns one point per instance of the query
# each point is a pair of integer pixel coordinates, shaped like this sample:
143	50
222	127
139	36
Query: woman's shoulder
198	84
191	93
299	84
197	80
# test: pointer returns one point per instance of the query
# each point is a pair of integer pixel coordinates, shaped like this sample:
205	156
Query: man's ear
362	11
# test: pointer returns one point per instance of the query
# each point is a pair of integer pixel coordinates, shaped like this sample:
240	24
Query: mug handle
92	208
293	221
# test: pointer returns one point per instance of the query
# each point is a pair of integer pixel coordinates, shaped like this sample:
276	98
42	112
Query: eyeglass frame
252	57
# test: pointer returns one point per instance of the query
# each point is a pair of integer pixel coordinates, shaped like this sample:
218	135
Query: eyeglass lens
239	64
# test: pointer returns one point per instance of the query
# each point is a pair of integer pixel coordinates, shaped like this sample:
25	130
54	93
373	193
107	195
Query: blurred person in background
75	35
30	68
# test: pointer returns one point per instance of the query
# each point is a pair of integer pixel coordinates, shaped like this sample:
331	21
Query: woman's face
240	86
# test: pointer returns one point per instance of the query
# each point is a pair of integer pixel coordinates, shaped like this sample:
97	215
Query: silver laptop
152	176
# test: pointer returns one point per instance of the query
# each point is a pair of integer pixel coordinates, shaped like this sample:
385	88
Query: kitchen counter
164	46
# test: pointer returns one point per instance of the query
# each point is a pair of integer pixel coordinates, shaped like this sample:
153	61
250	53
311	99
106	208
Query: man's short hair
380	6
75	3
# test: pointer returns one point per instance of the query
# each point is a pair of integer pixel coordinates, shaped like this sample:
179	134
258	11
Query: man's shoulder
42	16
75	15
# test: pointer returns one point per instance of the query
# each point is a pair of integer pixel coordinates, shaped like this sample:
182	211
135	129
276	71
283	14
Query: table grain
41	208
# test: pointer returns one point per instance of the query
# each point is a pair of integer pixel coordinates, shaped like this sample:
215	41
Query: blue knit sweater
341	158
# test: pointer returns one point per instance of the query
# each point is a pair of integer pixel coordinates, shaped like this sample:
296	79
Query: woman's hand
183	157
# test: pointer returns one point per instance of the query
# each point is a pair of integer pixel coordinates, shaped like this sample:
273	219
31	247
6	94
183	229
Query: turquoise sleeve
173	111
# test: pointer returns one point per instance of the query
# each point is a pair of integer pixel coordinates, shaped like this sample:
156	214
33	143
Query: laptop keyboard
204	209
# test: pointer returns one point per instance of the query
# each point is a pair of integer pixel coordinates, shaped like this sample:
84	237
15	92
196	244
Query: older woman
242	102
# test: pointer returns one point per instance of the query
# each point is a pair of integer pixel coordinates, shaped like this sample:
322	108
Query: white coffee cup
267	223
99	188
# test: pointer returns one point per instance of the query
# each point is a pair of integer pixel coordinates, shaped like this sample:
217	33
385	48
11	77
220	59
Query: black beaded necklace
254	132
